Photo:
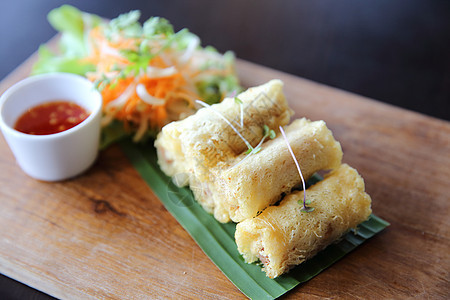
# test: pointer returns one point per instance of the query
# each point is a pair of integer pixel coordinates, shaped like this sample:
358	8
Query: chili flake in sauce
51	117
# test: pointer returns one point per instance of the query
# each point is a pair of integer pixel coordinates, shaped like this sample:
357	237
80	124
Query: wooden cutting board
106	235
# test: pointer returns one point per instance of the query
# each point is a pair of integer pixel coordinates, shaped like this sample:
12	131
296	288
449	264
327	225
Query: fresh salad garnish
149	75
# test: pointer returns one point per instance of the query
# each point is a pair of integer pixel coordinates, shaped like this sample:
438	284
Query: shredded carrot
167	81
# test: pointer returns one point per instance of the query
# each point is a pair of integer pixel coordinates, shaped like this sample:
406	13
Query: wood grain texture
105	234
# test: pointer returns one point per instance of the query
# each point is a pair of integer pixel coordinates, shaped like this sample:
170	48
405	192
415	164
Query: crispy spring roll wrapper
194	145
259	180
282	237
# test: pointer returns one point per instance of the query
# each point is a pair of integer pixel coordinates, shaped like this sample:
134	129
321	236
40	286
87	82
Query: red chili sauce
51	117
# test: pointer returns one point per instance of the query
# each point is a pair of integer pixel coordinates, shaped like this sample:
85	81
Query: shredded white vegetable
141	91
123	98
107	50
154	72
193	44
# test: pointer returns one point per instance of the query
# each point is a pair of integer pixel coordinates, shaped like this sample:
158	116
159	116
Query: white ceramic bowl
56	156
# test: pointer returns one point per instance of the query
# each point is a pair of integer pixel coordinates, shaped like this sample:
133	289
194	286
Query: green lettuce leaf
73	25
48	62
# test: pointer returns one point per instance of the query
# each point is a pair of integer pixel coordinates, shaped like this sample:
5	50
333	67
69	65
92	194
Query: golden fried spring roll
260	179
283	236
203	140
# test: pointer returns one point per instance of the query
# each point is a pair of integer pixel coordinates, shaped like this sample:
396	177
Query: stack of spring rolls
210	152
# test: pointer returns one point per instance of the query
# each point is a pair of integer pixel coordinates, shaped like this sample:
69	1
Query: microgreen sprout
226	120
251	150
267	133
241	105
305	207
238	101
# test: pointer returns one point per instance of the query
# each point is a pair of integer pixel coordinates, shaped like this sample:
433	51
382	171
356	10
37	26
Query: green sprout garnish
226	120
268	133
241	104
306	209
305	203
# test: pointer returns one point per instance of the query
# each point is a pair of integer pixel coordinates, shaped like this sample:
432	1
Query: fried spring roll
258	180
283	236
203	140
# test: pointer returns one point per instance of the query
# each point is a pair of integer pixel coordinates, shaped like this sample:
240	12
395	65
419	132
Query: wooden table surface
105	234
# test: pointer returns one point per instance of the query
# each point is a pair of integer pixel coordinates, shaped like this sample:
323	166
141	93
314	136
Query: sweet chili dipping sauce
51	117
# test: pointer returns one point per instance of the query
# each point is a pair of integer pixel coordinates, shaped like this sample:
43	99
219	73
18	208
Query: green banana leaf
217	239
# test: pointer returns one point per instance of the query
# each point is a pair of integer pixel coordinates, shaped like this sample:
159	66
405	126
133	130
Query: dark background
395	51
